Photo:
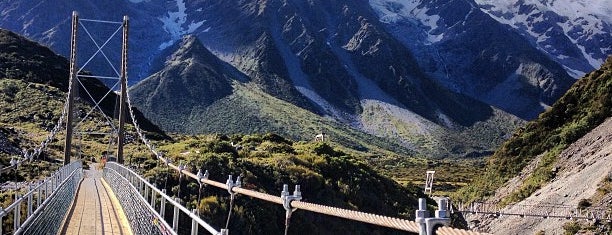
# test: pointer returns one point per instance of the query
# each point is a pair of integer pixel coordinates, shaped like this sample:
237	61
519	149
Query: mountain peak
191	76
190	47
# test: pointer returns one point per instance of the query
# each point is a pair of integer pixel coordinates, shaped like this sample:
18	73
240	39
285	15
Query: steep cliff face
575	33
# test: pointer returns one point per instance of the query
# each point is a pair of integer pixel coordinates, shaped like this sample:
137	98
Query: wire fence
147	204
542	210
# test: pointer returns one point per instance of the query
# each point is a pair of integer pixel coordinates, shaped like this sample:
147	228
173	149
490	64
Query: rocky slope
562	157
582	170
469	52
193	79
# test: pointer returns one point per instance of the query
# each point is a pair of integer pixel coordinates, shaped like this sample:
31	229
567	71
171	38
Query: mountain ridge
244	107
314	36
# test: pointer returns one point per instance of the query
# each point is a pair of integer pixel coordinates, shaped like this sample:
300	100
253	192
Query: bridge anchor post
429	225
421	214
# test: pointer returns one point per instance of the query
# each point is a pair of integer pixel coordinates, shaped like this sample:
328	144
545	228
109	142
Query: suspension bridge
111	198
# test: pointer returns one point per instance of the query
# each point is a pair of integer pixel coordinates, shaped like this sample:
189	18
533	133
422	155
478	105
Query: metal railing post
175	216
17	213
153	198
162	209
146	191
140	185
194	223
37	196
46	189
29	200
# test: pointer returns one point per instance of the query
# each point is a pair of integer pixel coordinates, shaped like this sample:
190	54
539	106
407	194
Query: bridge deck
96	209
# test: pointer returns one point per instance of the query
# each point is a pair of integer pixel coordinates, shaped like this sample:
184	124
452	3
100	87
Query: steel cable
454	231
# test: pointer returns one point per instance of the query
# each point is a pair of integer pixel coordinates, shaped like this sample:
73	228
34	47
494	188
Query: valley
509	102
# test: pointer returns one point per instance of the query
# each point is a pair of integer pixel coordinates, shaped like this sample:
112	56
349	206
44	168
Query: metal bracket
287	199
202	177
181	168
231	184
167	161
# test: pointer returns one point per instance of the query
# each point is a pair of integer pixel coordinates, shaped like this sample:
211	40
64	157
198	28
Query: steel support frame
74	84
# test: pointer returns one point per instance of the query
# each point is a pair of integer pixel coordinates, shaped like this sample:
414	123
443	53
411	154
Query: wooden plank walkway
96	209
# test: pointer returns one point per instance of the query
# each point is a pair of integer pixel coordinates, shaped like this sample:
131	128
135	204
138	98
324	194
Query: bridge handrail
75	166
391	222
56	174
546	210
63	175
139	196
169	199
386	221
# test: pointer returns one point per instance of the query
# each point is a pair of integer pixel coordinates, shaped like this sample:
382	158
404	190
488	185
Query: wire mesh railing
44	203
542	210
139	199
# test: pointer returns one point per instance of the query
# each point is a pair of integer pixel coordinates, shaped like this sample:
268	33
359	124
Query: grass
542	174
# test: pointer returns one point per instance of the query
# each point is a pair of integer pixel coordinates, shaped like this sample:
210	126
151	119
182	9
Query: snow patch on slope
173	23
580	21
393	11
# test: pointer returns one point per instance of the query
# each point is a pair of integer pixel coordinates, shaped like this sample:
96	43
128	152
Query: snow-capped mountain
469	52
391	68
575	33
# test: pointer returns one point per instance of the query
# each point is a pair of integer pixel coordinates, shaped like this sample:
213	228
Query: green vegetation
586	105
541	175
571	228
266	162
338	172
